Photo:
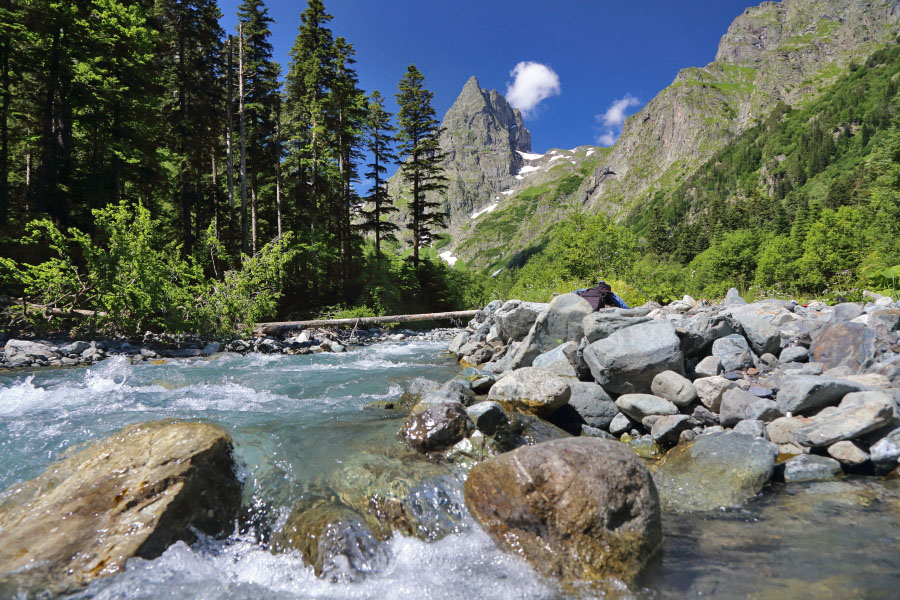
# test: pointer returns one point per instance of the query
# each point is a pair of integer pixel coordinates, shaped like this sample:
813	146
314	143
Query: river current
294	418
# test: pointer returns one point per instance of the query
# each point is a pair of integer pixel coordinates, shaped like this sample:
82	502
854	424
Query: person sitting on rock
601	296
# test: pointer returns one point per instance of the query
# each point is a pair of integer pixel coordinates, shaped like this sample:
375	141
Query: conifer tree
418	135
380	146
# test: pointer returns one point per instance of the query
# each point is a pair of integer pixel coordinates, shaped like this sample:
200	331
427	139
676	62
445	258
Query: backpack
599	296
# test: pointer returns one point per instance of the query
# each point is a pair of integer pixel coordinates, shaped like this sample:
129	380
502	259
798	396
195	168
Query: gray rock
700	331
851	344
711	389
480	356
756	321
478	380
704	416
811	467
708	367
769	359
592	404
269	345
803	394
619	424
492	307
638	406
738	405
733	298
598	433
212	348
667	429
516	318
435	426
886	451
733	351
531	390
488	417
848	453
872	411
752	427
560	323
564	360
781	430
606	321
794	354
846	311
629	359
20	352
74	347
674	387
458	342
717	469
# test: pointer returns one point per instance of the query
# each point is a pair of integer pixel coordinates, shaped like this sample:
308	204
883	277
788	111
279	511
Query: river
296	418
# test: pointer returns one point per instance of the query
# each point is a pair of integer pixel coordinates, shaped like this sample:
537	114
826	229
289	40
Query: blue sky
601	51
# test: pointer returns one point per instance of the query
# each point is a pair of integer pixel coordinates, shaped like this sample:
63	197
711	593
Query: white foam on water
459	566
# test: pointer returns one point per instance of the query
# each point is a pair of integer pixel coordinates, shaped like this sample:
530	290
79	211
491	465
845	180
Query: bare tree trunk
253	214
229	130
278	167
245	246
215	196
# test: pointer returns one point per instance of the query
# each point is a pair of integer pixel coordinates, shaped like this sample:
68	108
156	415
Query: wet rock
794	354
674	387
754	427
711	389
708	367
516	318
531	390
851	344
564	360
733	351
803	394
811	467
435	427
336	541
886	451
606	321
667	429
638	406
864	412
717	469
132	494
628	360
608	525
532	430
487	416
738	405
478	380
592	404
560	323
848	453
269	345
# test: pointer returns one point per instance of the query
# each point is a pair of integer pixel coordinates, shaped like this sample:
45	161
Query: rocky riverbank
57	352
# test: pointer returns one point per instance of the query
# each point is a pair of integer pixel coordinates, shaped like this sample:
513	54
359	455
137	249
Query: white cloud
533	83
614	118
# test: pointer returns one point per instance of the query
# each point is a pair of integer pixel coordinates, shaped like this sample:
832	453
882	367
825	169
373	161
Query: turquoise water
295	419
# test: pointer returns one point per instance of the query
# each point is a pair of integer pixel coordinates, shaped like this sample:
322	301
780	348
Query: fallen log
49	310
276	328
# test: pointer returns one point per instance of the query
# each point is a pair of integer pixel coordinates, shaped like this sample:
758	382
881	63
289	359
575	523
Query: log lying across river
278	327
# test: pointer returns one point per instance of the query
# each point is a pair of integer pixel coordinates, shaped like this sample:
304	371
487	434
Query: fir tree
418	135
380	146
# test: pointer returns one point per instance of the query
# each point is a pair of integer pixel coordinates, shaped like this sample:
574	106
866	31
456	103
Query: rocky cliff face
482	137
777	51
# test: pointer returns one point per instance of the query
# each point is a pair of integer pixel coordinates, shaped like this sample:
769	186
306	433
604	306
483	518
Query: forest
159	173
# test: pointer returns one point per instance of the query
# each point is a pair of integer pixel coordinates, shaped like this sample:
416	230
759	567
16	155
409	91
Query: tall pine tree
379	143
418	135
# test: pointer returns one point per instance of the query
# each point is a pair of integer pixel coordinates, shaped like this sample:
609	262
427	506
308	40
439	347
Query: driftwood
279	327
50	310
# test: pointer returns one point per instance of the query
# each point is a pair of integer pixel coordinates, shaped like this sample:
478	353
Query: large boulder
843	343
717	469
531	390
859	413
21	352
132	494
804	394
733	351
699	332
516	318
560	323
581	509
628	360
606	321
738	405
435	427
760	323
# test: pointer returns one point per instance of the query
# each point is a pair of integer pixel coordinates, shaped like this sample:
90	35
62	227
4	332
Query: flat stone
811	467
638	406
802	394
851	344
674	387
737	405
873	411
602	323
708	367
